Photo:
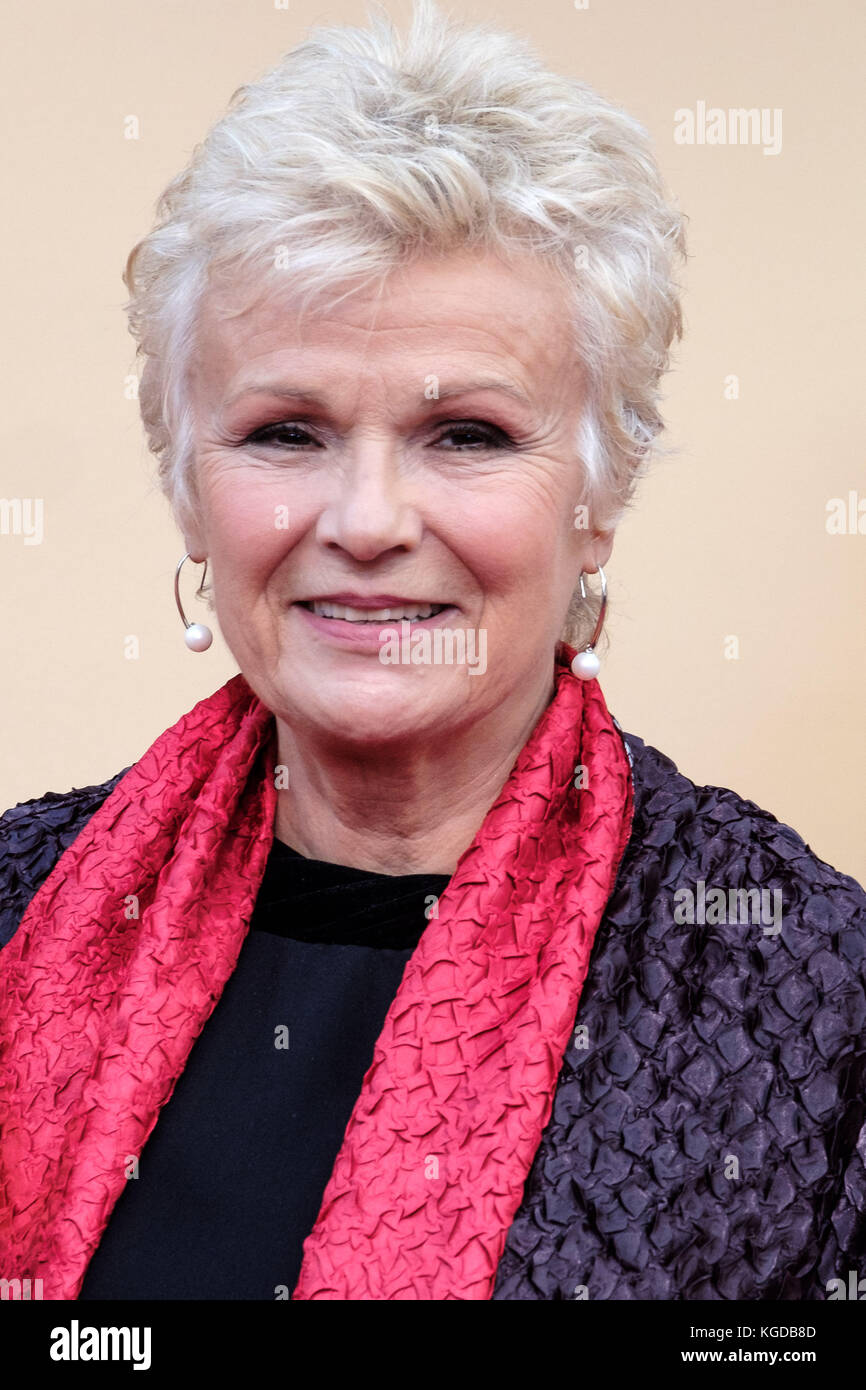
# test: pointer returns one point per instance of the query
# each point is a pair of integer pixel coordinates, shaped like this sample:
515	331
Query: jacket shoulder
708	1133
33	835
723	830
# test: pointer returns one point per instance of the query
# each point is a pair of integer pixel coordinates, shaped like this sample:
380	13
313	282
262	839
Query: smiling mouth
417	612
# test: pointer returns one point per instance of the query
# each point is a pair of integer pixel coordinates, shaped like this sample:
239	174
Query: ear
601	551
195	549
194	540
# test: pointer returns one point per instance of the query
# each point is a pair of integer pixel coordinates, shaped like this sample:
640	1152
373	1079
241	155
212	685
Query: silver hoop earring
197	637
586	664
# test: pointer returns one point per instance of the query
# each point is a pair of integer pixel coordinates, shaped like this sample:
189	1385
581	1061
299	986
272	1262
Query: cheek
514	537
253	520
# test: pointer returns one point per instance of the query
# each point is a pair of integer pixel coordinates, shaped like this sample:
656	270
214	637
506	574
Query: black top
231	1180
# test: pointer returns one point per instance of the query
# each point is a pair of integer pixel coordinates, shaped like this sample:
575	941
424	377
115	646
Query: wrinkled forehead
464	312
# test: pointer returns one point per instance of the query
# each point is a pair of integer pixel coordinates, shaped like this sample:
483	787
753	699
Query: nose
371	512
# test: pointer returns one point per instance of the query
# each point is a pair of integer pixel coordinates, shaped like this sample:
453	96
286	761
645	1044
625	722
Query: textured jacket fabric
708	1133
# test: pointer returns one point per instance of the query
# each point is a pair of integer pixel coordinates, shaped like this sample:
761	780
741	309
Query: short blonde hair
363	149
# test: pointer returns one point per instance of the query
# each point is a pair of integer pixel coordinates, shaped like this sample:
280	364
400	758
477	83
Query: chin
378	707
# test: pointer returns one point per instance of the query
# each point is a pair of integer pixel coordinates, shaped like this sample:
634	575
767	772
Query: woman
394	969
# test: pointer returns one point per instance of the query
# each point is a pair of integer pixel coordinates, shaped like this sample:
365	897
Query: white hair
364	149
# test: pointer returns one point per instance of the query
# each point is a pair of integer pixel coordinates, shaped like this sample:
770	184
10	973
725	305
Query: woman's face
406	449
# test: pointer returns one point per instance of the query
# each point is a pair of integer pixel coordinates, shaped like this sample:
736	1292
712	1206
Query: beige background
728	537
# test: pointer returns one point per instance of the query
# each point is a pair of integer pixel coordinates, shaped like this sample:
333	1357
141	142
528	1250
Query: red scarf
125	949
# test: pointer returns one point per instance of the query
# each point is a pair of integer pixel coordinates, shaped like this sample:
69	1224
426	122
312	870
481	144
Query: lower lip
365	636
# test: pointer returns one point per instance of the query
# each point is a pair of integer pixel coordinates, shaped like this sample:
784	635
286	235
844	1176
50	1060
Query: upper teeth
374	615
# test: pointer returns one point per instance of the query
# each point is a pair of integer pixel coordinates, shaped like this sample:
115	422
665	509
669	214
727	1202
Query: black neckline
315	900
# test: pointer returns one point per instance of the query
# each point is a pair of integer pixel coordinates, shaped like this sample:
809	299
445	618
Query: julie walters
365	980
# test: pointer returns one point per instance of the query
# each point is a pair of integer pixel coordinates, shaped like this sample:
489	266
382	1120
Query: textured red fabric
452	1109
124	951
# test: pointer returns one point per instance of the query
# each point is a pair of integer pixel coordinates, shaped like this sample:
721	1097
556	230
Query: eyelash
492	436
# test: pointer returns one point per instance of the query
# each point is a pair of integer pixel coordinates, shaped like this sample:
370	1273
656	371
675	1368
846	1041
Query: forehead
469	307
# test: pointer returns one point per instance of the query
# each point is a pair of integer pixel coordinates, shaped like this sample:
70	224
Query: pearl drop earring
198	637
586	664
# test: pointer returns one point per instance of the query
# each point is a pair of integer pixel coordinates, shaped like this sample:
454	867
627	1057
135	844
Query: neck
410	810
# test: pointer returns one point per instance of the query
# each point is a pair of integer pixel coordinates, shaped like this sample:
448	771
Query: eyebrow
285	391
